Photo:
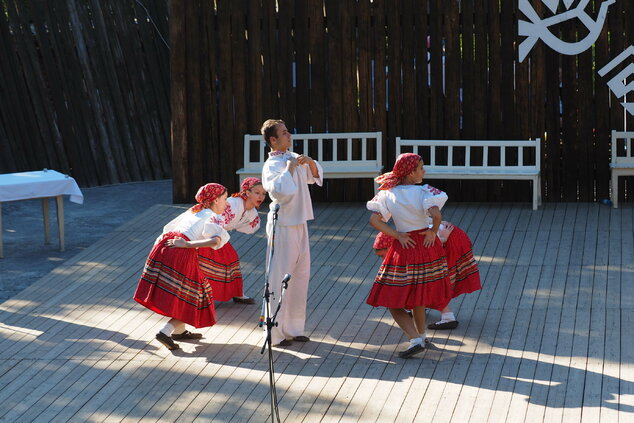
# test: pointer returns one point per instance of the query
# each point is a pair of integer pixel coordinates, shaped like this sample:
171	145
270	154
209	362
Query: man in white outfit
285	177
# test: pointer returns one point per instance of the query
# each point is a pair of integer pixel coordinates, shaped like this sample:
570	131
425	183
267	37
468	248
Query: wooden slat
422	90
569	83
239	60
379	93
318	67
178	102
436	71
272	102
255	116
301	49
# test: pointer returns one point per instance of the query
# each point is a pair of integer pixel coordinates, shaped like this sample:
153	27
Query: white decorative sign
618	83
537	28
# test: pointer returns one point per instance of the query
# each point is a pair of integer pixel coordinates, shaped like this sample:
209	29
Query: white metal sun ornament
537	28
619	84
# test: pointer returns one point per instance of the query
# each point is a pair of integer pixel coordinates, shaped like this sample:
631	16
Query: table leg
60	220
47	226
1	247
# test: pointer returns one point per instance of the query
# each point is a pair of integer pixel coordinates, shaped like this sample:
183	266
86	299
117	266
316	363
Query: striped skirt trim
175	283
172	285
412	274
216	271
221	269
463	267
412	277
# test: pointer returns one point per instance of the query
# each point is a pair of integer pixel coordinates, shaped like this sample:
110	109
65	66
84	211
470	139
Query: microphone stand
270	321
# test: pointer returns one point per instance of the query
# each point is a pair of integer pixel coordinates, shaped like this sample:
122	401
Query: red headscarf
206	195
247	184
405	164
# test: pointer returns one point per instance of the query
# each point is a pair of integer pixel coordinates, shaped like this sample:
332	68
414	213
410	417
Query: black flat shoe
186	335
301	338
284	343
413	350
167	341
443	326
241	300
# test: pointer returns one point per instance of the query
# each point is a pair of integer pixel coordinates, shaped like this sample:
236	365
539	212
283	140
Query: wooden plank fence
84	89
431	69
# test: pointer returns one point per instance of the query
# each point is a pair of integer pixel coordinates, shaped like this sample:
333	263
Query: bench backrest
334	151
479	155
622	148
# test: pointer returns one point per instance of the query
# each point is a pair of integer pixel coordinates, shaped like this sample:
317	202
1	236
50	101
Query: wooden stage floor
548	339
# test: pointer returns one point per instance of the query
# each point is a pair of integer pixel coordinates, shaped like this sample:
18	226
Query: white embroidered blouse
237	218
408	205
203	225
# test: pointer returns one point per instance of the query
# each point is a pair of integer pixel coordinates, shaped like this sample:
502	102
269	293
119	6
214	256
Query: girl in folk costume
221	267
463	268
172	283
414	273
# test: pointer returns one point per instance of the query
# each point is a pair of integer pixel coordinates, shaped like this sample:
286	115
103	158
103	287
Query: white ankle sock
423	336
447	317
179	328
168	329
415	341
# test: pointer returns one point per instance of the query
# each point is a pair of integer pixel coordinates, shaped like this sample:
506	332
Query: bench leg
614	193
47	225
536	188
60	221
1	245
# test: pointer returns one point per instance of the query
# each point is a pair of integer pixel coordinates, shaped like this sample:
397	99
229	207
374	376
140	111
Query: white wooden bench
341	155
622	162
441	161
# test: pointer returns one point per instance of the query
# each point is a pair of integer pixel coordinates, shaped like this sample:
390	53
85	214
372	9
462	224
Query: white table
42	184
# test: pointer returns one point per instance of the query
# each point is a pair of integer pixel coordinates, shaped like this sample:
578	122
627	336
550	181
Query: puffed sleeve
379	205
278	181
251	222
172	224
319	180
433	197
212	229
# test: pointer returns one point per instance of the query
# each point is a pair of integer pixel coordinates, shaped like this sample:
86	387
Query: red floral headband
206	196
247	184
405	164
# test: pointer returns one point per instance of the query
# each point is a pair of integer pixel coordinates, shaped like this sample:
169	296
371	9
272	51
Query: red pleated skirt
173	285
221	268
412	277
382	241
463	268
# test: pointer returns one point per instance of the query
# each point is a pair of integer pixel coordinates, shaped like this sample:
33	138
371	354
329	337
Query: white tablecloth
38	184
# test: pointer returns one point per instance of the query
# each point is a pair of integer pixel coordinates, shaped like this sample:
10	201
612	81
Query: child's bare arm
182	243
430	235
379	225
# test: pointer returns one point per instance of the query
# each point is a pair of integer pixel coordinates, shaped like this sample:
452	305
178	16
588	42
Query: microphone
276	208
287	278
